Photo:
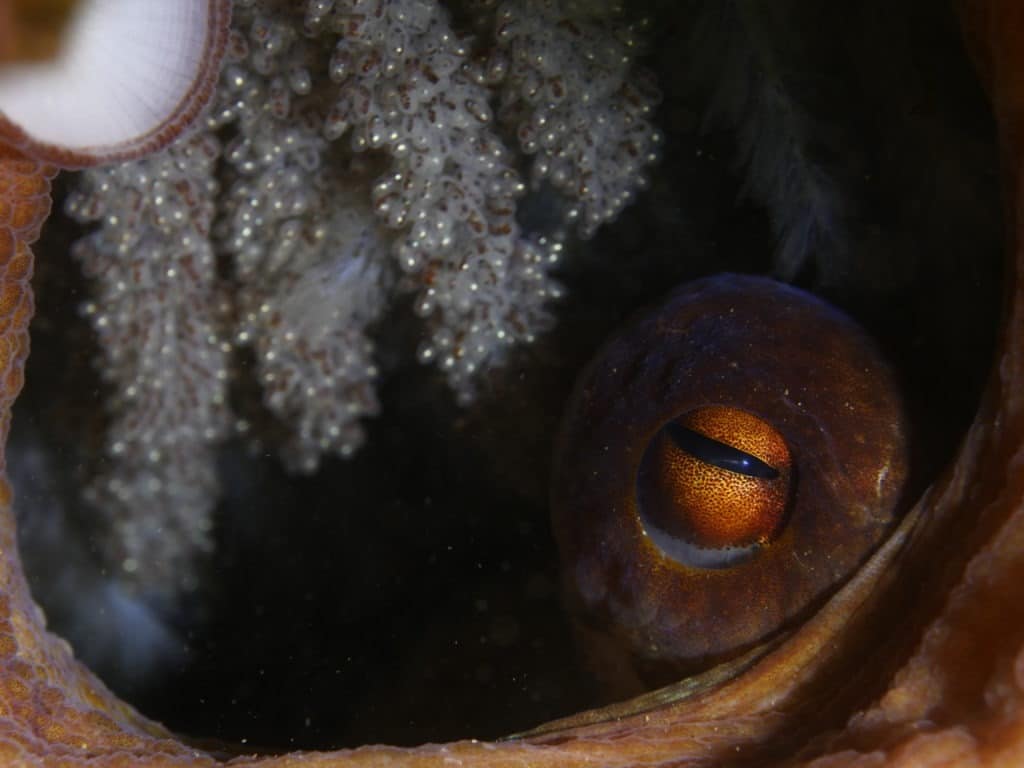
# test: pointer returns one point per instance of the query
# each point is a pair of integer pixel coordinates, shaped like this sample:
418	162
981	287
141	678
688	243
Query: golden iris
715	478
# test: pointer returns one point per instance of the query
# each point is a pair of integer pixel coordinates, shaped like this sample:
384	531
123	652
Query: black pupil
719	454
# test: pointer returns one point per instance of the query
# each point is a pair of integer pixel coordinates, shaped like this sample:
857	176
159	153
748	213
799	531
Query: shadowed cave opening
411	593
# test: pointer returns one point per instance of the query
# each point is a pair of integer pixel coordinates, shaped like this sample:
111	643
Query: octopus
692	467
937	602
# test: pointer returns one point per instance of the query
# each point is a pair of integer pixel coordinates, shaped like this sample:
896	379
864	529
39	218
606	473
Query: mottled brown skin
761	348
917	661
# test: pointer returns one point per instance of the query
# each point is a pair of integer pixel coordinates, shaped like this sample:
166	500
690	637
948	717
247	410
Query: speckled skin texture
937	609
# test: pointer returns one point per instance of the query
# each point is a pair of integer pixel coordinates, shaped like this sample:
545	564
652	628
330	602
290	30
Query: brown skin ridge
938	605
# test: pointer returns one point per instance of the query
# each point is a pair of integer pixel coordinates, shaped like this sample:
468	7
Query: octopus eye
725	464
713	486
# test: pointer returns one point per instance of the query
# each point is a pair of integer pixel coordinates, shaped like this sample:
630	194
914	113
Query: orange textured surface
722	508
952	664
741	430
